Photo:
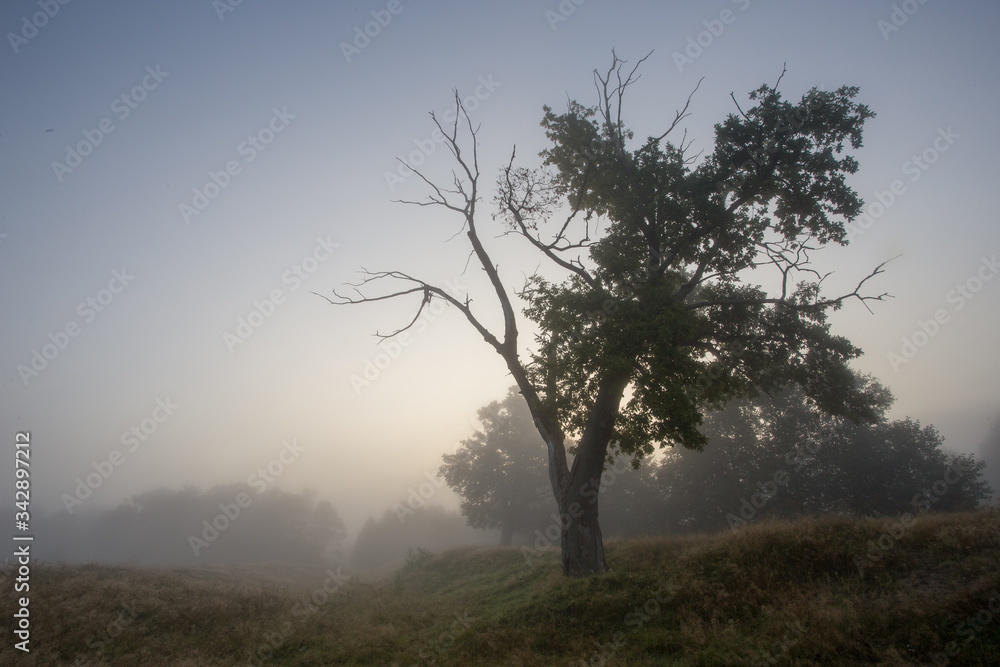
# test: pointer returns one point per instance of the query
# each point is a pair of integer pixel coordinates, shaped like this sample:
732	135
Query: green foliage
828	465
500	471
660	296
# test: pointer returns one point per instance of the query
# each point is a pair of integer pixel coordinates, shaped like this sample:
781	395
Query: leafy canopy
662	296
500	469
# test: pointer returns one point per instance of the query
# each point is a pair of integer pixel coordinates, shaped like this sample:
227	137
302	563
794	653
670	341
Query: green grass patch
787	593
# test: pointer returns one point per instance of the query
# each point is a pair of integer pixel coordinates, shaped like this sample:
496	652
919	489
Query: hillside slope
810	592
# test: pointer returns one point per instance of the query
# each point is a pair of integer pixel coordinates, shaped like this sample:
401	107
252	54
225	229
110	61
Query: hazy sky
167	169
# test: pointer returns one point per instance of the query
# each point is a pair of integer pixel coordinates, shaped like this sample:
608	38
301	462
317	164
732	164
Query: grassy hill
810	592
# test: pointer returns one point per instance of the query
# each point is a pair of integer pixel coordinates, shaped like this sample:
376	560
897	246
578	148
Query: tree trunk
506	533
576	490
582	543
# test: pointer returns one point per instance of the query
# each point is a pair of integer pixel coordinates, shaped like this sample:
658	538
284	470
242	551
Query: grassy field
810	592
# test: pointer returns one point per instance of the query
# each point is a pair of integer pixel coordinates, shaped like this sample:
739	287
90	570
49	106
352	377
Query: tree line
189	526
773	455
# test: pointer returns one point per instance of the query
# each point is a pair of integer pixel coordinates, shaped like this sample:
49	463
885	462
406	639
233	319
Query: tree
654	249
781	456
389	539
225	524
632	502
763	458
893	467
499	470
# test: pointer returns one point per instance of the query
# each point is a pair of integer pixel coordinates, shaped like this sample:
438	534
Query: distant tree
894	467
166	527
500	469
651	321
300	527
781	456
632	502
387	540
702	487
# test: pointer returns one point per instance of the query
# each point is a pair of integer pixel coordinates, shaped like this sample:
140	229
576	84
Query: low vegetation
809	592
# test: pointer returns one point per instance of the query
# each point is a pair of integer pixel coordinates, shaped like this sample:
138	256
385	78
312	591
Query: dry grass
791	591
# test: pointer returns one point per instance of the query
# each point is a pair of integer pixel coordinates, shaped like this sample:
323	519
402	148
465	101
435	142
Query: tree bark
582	543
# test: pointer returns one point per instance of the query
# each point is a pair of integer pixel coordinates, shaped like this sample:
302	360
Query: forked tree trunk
576	489
582	543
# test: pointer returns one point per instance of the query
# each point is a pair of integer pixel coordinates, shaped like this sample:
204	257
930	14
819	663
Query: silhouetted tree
387	540
651	304
894	467
499	470
781	456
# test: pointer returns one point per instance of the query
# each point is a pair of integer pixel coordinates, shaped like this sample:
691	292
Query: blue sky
293	134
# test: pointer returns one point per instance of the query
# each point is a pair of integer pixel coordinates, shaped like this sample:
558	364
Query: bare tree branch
522	198
819	304
681	114
466	191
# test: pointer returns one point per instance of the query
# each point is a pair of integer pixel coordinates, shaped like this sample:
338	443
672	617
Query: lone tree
499	470
652	321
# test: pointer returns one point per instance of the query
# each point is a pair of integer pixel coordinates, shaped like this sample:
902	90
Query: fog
181	184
